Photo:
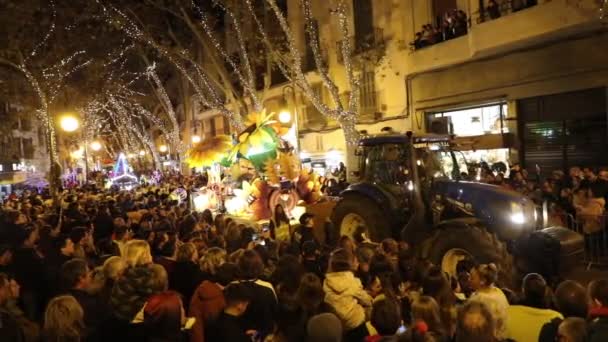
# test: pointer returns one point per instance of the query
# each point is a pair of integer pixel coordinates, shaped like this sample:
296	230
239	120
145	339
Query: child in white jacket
345	293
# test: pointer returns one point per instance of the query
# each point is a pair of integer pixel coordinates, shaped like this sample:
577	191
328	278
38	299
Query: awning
9	178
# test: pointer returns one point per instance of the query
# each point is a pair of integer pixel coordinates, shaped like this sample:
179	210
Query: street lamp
196	139
142	153
285	117
96	146
69	123
162	148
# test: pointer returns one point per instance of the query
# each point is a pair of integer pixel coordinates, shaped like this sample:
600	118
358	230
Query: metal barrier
594	229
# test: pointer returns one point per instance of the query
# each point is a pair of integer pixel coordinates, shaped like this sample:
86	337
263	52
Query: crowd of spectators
495	8
578	198
138	266
451	25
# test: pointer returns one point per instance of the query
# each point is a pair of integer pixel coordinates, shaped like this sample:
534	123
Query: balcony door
364	23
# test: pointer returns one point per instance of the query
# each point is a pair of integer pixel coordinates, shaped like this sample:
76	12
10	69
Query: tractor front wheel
354	211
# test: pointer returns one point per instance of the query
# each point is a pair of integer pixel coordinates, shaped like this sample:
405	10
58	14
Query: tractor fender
382	198
456	223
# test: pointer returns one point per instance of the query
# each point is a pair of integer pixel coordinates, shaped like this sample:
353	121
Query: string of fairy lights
168	106
347	118
248	83
208	96
119	109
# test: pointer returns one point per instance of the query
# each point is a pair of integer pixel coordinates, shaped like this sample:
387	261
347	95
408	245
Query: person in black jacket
186	275
76	278
62	250
305	231
261	311
29	268
227	327
310	259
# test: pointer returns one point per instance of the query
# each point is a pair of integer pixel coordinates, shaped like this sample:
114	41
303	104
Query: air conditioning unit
441	125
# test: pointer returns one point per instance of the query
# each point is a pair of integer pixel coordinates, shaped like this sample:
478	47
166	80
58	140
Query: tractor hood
505	212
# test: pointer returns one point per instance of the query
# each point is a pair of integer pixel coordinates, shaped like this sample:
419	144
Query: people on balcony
453	24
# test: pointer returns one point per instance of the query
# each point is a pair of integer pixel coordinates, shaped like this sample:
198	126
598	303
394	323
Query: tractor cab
401	163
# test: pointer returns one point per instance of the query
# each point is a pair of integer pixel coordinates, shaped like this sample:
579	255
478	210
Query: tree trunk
351	136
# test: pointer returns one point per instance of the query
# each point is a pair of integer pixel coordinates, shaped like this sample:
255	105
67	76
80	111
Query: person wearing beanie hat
325	327
345	293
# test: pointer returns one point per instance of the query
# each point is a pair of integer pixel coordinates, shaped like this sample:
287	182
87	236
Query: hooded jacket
344	292
206	304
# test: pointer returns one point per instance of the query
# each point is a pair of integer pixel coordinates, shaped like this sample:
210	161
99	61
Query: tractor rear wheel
354	211
470	240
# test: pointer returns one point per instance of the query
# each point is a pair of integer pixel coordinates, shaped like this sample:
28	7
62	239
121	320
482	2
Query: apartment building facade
23	151
522	82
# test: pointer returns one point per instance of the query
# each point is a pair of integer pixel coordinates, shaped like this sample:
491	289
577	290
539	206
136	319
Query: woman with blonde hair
483	279
63	320
137	253
212	260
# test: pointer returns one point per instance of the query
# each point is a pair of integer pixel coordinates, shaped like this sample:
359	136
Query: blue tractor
411	187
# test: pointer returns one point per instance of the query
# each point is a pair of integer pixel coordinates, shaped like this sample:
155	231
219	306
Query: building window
314	118
26	124
364	24
368	98
28	148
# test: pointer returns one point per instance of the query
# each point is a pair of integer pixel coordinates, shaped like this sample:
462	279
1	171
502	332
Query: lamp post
69	123
285	116
96	147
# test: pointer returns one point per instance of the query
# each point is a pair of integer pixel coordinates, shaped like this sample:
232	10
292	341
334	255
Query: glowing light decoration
69	123
196	139
162	148
285	116
121	173
96	146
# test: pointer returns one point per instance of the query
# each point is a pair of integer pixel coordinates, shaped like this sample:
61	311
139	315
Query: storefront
544	105
480	131
563	130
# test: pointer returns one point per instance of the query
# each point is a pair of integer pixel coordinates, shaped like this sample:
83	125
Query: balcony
513	30
370	47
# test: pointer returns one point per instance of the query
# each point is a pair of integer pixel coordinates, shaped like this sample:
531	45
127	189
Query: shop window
474	121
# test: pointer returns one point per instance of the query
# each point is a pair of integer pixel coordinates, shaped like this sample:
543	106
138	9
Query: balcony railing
373	41
501	9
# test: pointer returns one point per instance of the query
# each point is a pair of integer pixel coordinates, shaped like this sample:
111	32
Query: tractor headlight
517	213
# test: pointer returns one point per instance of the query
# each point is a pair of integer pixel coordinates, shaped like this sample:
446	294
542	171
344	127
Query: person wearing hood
345	293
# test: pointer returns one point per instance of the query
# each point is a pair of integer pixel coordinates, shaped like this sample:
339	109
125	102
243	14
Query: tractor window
387	164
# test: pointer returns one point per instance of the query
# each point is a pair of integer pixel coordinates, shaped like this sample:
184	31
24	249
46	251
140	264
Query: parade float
253	172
